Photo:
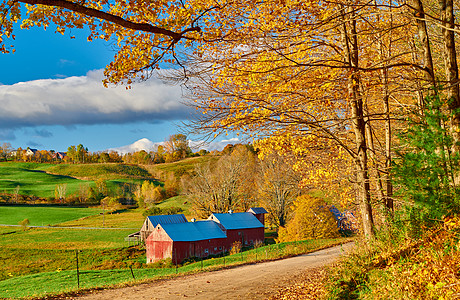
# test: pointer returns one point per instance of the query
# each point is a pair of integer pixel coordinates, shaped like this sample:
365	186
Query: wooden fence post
132	273
78	271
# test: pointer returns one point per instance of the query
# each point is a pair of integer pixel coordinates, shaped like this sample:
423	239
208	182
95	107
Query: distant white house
31	152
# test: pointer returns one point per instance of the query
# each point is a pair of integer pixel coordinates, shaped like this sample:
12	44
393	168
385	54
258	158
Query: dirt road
256	281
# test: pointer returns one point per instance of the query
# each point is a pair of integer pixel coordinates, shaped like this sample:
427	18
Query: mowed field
43	215
39	179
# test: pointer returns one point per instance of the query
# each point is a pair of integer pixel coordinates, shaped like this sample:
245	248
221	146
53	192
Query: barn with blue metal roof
241	227
173	237
184	240
152	221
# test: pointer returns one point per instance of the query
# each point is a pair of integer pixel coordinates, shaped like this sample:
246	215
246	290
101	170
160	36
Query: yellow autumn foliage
312	220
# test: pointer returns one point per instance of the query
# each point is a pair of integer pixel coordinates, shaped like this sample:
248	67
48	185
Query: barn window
239	232
206	251
220	248
215	248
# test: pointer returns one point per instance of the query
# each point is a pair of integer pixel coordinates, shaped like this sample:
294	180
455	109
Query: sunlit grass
61	281
43	215
130	218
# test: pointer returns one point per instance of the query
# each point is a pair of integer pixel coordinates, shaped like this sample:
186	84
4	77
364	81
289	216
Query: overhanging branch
91	12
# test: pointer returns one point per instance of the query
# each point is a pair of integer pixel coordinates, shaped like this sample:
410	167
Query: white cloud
147	145
83	100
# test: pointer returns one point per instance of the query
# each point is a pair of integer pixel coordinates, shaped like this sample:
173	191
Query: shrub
236	248
24	223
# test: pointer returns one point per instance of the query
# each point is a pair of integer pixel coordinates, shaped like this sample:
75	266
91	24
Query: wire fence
67	281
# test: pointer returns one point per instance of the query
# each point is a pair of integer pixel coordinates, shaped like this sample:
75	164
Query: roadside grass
60	281
402	267
42	215
20	262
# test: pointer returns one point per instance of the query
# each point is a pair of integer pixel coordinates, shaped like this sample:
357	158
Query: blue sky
51	97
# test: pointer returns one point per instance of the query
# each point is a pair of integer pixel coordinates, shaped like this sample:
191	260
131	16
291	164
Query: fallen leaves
309	285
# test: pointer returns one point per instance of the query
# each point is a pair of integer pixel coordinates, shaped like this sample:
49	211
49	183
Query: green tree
426	167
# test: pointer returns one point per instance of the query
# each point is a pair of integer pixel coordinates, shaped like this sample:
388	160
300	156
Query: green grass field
100	171
41	179
43	215
180	168
131	218
33	180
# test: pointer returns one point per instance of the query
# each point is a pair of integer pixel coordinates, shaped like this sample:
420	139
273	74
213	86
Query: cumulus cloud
147	145
84	101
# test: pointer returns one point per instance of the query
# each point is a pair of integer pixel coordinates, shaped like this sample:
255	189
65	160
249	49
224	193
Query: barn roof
167	219
242	220
257	210
193	231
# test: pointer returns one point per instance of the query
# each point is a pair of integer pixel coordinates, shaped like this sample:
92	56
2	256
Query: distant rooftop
167	219
257	210
237	220
194	231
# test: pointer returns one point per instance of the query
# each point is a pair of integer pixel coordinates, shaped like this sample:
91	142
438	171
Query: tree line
175	148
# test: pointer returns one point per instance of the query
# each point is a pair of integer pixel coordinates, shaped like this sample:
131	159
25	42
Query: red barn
179	241
259	213
243	227
152	221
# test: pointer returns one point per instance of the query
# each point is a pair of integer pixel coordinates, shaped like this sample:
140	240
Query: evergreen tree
426	170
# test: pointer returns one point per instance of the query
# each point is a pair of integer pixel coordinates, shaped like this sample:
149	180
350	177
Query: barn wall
183	250
261	218
146	229
247	236
158	245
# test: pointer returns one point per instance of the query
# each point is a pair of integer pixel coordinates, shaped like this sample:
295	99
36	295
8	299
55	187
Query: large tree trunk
350	42
451	67
419	13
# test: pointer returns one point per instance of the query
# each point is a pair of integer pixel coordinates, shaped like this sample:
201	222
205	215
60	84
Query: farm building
259	213
241	227
183	240
173	237
151	222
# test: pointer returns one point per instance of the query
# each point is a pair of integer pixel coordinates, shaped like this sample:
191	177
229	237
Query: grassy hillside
43	215
100	171
130	218
40	180
180	168
33	180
